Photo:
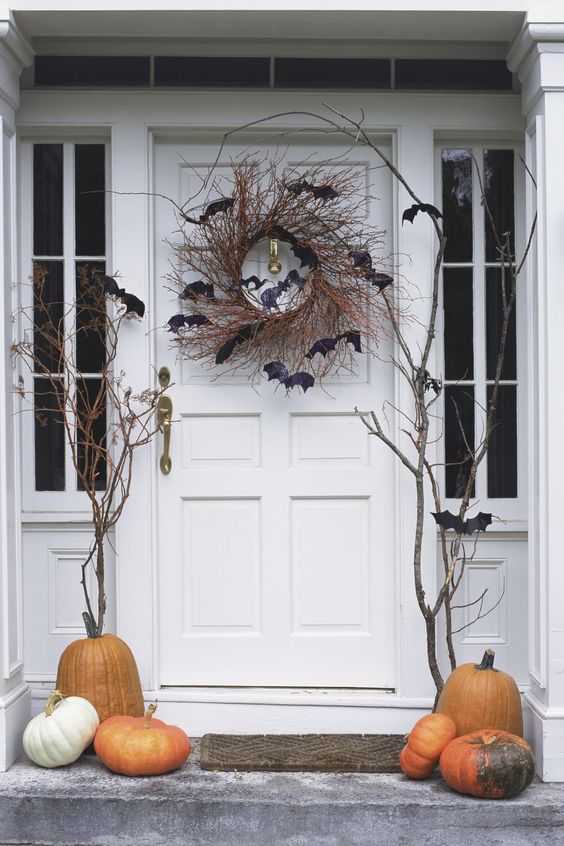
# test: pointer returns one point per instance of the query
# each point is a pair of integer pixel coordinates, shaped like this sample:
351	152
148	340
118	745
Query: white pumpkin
61	733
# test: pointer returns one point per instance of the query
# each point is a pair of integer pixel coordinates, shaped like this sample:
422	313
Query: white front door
276	523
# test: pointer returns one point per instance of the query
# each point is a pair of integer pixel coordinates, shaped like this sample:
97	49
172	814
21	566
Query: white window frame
70	501
512	512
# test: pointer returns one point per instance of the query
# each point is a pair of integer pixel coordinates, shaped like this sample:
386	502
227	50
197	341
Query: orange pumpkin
490	764
136	746
428	737
477	696
102	670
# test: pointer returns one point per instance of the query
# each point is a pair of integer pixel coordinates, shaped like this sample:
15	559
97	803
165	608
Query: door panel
276	524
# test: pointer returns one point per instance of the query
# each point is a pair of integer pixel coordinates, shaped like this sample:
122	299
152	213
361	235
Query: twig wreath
331	304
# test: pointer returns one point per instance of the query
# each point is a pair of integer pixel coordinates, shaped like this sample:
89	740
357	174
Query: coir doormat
317	753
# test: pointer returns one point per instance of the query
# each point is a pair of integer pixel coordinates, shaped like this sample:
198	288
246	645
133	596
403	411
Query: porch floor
86	805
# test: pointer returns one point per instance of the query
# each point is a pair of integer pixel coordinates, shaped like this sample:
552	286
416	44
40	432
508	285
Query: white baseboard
15	712
545	732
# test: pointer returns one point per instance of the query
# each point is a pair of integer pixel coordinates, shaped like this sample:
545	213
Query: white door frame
133	119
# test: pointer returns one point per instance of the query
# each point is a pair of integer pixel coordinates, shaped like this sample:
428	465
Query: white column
538	58
15	53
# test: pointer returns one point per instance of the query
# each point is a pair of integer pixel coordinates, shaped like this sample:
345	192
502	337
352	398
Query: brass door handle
164	419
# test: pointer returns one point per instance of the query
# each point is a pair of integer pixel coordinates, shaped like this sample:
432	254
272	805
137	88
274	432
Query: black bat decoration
244	283
380	280
307	256
177	321
198	289
270	297
460	526
221	205
245	333
277	370
112	289
409	214
361	258
325	345
321	192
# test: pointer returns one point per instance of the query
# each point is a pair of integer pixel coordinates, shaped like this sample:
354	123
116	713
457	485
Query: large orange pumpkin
477	696
102	670
136	746
427	739
489	764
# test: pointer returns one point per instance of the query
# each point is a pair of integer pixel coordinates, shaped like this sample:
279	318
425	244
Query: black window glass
92	70
48	199
459	438
457	204
209	71
502	452
90	319
494	324
91	429
453	74
48	314
498	188
49	438
332	73
458	323
90	200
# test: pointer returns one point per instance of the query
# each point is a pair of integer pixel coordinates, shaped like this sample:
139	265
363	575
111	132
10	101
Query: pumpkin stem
89	624
148	714
487	661
54	697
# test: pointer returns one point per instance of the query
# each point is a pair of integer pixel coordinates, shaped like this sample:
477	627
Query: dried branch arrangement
104	421
314	318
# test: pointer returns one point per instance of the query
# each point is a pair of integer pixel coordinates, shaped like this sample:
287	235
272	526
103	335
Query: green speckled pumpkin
490	764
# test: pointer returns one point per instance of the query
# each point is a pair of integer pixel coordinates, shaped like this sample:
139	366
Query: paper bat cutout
460	526
361	258
221	205
325	345
198	289
307	256
112	289
245	333
270	297
258	283
409	214
277	370
321	192
380	280
177	321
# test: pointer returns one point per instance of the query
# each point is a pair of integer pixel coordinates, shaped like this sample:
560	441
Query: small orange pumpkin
427	739
490	764
477	696
136	746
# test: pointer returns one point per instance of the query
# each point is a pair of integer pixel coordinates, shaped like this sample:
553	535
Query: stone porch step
85	805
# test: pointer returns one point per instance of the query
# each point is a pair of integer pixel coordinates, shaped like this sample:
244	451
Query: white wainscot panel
66	597
484	601
215	440
222	558
330	571
328	440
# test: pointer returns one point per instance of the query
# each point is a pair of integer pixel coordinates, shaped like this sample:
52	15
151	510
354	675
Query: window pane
502	452
48	199
91	431
49	438
48	308
90	319
494	324
90	208
92	70
449	74
332	73
209	71
459	437
458	303
457	204
498	188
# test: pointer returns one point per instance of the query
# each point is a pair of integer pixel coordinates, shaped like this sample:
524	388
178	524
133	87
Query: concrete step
86	805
